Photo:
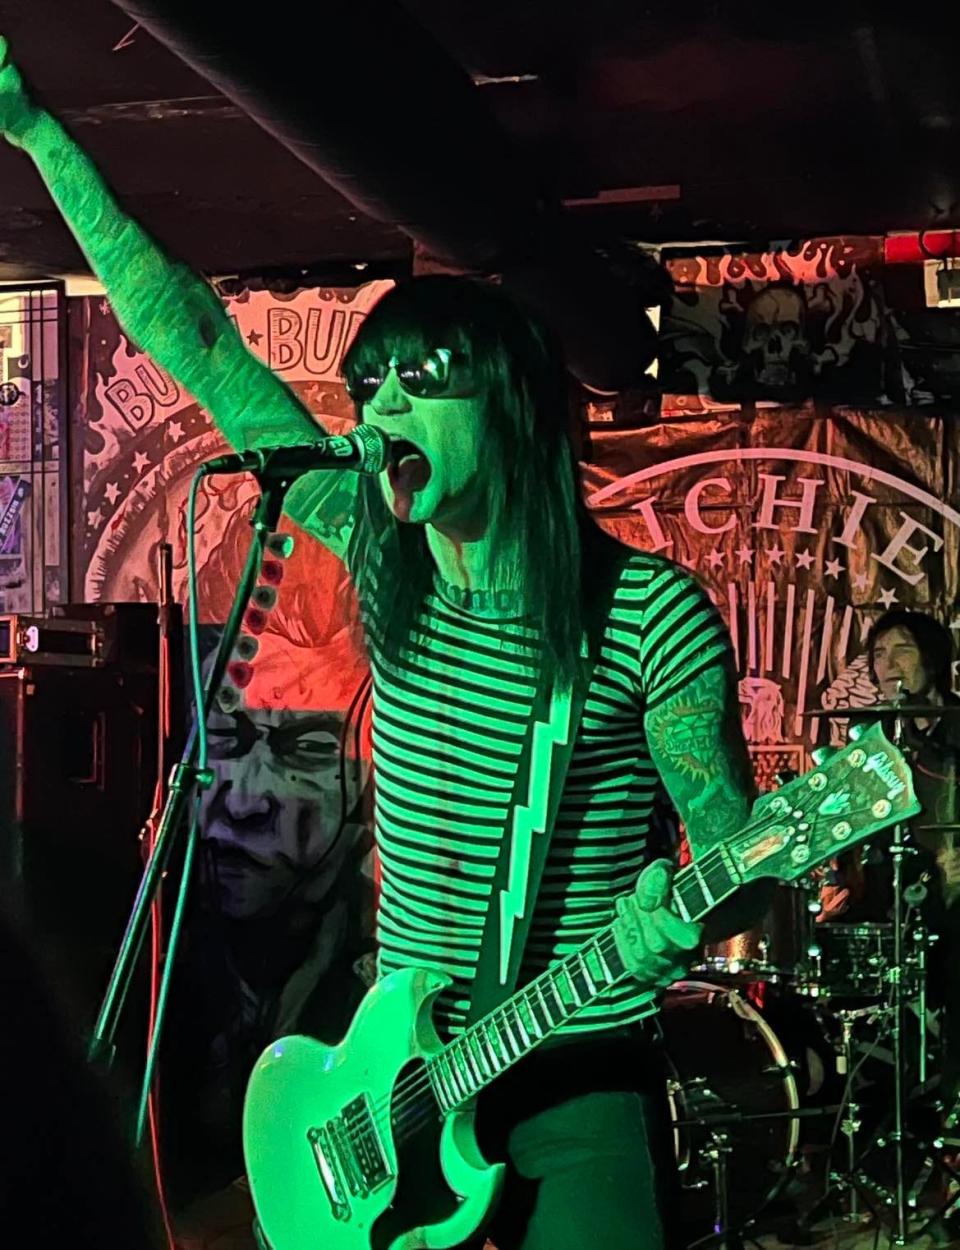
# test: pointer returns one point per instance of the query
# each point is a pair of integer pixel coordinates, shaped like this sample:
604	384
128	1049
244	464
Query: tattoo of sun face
687	736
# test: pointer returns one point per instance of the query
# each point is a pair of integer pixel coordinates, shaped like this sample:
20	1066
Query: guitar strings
403	1102
406	1095
410	1089
409	1111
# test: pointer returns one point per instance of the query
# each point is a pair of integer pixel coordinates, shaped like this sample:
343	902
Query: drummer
911	657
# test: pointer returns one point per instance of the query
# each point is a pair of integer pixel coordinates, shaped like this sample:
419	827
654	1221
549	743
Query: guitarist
483	584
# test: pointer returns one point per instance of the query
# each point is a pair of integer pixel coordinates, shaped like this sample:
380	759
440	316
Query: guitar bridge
349	1156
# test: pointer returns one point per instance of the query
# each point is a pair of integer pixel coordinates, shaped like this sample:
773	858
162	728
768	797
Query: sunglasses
423	377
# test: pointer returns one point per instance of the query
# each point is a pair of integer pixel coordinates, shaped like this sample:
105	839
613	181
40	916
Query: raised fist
17	110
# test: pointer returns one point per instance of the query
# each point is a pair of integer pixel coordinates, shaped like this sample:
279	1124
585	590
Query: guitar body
327	1132
319	1137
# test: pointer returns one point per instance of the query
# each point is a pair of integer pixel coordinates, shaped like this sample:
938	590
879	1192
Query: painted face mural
281	813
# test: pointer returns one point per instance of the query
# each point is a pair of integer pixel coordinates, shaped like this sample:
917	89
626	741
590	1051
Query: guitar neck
505	1035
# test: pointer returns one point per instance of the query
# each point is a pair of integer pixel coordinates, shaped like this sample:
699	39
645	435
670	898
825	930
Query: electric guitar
370	1145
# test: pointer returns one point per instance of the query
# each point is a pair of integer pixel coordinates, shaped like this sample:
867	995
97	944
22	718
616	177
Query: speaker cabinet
77	774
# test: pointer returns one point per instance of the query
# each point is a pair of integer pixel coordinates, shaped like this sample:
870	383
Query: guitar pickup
349	1156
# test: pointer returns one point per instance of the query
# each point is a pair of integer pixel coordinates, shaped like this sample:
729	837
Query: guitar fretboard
488	1048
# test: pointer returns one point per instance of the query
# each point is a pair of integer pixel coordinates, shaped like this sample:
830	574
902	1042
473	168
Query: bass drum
725	1061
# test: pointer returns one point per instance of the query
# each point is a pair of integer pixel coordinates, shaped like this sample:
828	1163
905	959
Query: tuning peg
820	755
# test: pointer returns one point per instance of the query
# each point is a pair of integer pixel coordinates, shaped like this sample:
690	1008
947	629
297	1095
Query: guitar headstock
860	790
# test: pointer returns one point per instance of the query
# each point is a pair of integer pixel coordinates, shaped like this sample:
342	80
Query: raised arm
170	312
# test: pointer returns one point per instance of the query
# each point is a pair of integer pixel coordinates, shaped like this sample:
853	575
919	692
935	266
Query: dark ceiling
727	121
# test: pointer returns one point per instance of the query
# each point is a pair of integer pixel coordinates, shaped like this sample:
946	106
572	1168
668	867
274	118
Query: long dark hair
567	563
933	642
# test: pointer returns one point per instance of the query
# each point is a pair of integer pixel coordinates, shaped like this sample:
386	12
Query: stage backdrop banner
804	524
805	518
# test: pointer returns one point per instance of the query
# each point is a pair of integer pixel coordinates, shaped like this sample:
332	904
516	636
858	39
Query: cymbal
876	711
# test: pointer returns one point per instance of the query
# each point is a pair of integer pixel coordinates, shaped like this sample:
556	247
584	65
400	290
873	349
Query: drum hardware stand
898	849
719	1150
850	1124
902	1199
854	1184
718	1153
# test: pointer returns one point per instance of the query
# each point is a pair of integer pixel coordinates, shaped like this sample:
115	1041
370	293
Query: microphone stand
184	779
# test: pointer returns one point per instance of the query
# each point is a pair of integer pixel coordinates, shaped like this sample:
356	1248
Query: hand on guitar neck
653	941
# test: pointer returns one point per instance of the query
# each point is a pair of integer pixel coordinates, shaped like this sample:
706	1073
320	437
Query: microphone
364	450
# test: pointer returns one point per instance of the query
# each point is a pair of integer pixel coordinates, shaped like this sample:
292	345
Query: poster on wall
33	519
141	436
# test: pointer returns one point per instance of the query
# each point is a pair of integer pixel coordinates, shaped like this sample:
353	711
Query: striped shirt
448	730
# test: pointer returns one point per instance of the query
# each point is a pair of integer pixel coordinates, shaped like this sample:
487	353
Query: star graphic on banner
175	429
804	559
94	518
888	598
112	492
715	560
104	308
833	568
775	553
744	553
861	581
253	338
140	462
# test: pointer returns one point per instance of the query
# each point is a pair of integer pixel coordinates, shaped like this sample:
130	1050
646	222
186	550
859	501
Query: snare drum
777	949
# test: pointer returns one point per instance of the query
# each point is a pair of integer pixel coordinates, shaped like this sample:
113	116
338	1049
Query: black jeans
584	1129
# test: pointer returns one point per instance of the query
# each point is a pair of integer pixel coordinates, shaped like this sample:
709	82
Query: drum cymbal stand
850	1124
718	1152
898	850
850	1182
719	1149
902	1198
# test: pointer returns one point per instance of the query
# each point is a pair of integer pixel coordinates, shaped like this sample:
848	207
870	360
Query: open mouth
408	468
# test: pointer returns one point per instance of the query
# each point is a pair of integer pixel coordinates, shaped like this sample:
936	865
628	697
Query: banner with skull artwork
806	321
787	468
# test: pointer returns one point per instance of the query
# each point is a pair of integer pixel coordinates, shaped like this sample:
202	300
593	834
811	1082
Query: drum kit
807	1038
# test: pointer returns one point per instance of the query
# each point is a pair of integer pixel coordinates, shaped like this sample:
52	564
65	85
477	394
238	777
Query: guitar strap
531	814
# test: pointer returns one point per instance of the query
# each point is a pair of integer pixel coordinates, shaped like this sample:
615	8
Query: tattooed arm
172	313
698	747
